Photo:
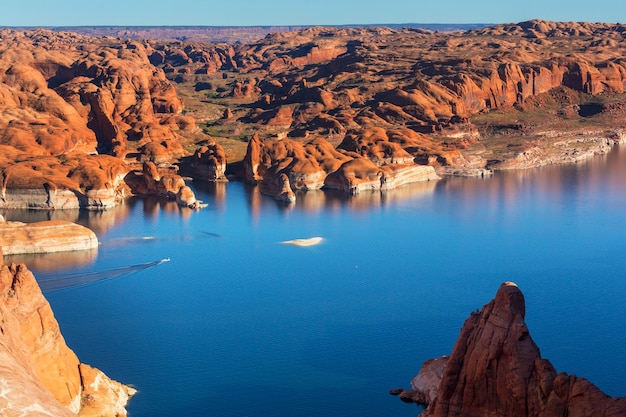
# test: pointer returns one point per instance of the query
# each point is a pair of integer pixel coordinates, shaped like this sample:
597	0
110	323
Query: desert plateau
367	170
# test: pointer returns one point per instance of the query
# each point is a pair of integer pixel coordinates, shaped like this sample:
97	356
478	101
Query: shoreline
567	150
571	148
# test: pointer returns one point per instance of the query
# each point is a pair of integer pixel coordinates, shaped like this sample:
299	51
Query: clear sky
300	12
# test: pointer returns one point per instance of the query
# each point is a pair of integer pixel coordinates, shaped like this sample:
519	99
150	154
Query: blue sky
300	12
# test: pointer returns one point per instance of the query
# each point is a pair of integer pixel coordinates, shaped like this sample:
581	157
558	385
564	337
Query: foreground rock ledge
45	237
495	369
39	375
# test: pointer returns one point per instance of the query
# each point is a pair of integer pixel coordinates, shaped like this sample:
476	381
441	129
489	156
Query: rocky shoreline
564	148
88	122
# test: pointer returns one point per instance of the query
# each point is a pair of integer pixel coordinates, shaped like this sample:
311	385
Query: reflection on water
98	221
52	262
314	202
507	192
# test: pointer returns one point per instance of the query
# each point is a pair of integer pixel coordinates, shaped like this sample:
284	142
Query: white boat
311	241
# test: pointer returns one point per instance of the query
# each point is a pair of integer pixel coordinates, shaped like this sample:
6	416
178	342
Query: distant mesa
495	368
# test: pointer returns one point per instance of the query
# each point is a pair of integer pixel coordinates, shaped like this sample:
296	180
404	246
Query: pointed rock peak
495	369
510	298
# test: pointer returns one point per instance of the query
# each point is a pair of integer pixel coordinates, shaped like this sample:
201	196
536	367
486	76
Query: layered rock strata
495	369
39	375
45	237
94	182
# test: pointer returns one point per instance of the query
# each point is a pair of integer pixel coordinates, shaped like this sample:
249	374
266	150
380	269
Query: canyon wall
39	374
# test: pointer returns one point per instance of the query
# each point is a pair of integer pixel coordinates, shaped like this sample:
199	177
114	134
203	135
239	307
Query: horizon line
252	26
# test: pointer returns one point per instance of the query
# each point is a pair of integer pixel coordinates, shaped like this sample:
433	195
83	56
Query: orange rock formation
63	99
395	97
209	162
168	185
317	164
40	375
495	368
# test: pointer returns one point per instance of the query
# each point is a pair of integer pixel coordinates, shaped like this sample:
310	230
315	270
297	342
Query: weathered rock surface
209	162
168	185
564	147
359	175
64	99
89	181
64	92
464	102
279	188
495	369
45	237
39	374
317	164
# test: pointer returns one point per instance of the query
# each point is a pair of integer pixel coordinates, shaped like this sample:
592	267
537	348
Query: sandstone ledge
561	147
355	181
58	199
45	237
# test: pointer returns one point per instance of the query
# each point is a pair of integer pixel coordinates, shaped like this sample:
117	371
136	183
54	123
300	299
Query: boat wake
132	240
64	282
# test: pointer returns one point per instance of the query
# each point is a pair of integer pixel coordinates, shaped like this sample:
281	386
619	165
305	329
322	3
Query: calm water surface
237	324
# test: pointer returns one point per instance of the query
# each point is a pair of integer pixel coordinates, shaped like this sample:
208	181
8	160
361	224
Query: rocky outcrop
563	147
451	77
359	175
92	182
84	93
317	164
40	375
279	188
434	90
168	185
209	162
45	237
495	369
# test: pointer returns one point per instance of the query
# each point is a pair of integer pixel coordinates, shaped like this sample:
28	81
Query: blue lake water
239	325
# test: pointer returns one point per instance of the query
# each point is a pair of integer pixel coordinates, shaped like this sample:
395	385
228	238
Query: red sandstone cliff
495	369
39	374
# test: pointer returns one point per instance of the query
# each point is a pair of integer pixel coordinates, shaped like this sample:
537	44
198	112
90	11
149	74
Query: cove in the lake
238	324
